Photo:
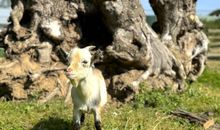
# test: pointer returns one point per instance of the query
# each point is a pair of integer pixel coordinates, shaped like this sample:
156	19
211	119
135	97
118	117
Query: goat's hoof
82	118
76	126
98	125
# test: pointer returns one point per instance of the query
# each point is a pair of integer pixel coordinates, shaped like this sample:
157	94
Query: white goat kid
89	90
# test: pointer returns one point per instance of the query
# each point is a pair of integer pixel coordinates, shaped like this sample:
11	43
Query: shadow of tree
52	123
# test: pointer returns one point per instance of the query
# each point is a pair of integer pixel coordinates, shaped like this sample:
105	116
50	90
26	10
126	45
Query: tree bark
179	26
128	51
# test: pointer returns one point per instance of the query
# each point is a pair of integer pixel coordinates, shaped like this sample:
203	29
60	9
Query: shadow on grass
52	123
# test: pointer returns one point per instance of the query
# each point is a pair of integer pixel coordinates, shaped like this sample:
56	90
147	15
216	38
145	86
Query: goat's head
79	62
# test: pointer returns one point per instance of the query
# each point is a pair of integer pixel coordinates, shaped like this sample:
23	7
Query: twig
35	75
50	96
68	95
205	122
127	123
8	65
52	69
190	116
163	118
60	85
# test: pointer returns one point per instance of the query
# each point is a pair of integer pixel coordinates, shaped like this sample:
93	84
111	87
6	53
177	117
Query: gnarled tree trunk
128	50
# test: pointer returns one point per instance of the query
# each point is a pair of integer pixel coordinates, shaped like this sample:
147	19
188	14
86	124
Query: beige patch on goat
75	60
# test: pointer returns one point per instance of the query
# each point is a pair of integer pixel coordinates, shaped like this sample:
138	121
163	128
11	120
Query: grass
211	24
2	53
149	111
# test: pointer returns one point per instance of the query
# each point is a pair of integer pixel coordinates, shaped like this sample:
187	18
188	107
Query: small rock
52	28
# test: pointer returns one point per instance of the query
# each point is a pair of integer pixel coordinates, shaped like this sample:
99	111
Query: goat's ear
90	48
67	54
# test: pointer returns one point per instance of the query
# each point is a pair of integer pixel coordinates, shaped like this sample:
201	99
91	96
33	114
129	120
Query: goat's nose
68	70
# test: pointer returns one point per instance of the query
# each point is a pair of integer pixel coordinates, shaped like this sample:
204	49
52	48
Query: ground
149	111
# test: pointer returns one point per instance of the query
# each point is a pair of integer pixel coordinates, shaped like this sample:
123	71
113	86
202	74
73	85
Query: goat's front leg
97	118
77	119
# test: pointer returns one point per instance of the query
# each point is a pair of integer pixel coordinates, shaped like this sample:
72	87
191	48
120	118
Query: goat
88	86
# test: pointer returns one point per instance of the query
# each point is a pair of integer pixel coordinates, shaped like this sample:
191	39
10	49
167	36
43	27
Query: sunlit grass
211	24
2	53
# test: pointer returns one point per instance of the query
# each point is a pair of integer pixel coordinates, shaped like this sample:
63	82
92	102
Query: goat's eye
68	62
84	62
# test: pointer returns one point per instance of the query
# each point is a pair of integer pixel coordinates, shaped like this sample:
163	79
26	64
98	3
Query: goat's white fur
89	89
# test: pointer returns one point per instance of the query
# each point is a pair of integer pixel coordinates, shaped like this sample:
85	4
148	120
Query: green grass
2	53
149	111
211	24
